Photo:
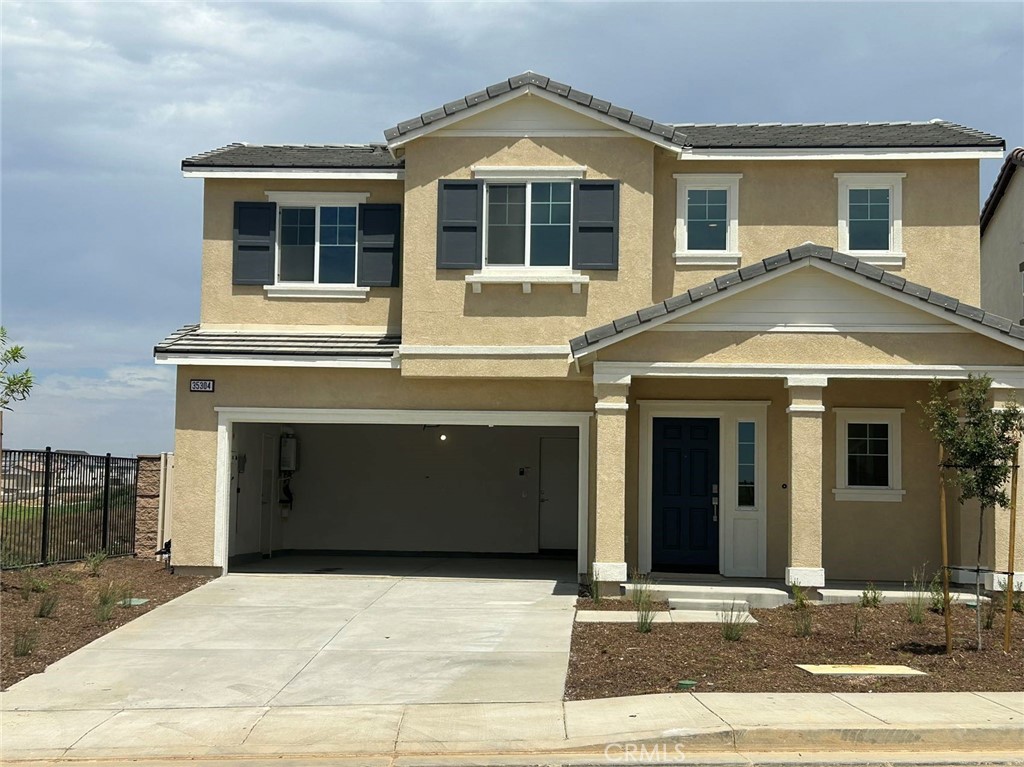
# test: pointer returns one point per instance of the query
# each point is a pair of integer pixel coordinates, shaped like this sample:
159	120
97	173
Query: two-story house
534	322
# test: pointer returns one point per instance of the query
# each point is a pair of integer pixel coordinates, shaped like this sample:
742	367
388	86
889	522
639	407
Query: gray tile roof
659	131
322	156
582	344
932	134
1014	160
191	340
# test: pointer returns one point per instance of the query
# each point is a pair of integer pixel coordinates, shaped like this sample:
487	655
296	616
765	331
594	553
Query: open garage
299	489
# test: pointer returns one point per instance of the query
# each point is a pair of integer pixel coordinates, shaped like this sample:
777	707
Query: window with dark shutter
596	225
255	237
380	245
460	224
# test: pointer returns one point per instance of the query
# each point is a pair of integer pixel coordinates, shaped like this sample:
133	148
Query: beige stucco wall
440	308
196	420
227	304
783	204
1002	252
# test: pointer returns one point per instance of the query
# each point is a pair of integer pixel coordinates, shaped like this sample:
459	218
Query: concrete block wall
147	510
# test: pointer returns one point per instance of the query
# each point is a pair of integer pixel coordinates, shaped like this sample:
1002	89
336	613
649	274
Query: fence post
106	503
47	491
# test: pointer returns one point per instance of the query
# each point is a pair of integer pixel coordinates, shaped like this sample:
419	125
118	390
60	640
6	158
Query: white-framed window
317	244
528	224
746	464
869	464
871	217
707	219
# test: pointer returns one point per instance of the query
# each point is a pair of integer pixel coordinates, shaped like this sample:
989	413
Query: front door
684	506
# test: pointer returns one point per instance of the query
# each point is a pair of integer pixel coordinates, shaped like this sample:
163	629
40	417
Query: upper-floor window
318	245
707	219
529	224
871	217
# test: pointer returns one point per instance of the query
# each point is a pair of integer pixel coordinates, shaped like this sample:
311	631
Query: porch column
610	486
806	412
997	526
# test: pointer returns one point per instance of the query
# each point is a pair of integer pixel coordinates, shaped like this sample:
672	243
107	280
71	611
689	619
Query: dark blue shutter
595	225
460	215
380	245
255	240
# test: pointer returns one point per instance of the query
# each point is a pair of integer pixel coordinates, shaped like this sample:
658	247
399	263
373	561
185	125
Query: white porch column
610	486
997	527
806	413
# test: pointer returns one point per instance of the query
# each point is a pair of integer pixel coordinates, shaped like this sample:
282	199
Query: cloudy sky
101	101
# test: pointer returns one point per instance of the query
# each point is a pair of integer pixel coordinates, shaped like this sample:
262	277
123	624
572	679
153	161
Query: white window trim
894	183
349	291
730	182
893	418
529	172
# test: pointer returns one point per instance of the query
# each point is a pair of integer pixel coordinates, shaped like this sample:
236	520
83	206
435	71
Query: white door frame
228	416
729	413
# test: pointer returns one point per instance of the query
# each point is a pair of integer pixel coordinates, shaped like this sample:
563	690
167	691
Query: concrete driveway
429	631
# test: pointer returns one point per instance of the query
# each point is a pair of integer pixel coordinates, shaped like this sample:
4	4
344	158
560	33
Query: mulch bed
73	622
616	603
609	660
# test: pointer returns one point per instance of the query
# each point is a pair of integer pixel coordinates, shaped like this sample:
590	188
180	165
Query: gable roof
325	156
1014	160
605	110
934	134
666	310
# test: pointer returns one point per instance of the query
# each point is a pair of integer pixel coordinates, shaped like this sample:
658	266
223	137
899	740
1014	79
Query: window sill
707	258
527	278
879	494
340	292
876	258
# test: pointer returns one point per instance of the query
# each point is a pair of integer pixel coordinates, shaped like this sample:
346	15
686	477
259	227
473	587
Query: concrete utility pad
853	669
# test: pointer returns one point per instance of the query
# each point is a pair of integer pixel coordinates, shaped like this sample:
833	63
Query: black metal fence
62	507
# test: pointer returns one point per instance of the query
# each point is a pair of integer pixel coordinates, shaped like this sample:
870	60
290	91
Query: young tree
14	387
980	444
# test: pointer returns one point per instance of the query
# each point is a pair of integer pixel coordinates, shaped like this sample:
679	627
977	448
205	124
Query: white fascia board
270	361
815	263
846	153
353	174
429	417
530	90
415	350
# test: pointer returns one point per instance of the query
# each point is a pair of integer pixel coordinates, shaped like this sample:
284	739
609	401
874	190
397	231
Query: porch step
754	596
711	605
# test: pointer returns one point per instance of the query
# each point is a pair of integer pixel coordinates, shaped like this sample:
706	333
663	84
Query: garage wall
401	488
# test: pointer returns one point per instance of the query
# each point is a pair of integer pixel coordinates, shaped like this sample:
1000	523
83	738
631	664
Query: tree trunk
977	576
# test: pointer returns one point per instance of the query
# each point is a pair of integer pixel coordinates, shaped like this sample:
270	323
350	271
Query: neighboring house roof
192	340
332	156
1014	160
669	308
934	134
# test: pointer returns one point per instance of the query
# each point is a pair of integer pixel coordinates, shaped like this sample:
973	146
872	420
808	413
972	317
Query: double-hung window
317	242
868	460
707	219
528	224
871	217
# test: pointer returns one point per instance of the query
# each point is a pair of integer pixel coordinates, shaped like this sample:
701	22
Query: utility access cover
864	669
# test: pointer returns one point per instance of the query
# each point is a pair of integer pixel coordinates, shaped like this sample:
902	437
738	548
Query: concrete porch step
754	596
713	605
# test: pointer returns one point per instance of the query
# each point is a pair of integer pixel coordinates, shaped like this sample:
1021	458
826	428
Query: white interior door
559	487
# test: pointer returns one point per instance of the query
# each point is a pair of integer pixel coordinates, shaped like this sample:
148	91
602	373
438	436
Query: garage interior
342	489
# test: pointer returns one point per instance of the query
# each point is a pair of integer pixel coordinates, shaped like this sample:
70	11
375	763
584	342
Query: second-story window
529	224
318	245
871	217
707	219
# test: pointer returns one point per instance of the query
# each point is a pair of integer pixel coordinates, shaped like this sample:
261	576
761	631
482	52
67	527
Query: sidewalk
684	723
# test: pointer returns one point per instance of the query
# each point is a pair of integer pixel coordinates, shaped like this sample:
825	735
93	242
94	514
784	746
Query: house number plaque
201	384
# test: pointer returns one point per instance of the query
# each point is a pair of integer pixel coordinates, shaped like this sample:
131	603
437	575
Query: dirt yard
612	659
28	643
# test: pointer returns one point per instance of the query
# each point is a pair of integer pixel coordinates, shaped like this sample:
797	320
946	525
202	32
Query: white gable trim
827	266
528	90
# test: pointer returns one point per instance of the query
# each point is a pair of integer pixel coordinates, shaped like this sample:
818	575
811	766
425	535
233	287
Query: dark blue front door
684	493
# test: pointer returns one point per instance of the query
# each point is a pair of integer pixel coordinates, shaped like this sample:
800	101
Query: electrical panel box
289	453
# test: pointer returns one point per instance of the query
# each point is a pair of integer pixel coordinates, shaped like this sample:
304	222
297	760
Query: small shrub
24	643
800	600
871	596
10	559
802	622
857	625
94	561
937	595
641	588
645	615
47	604
107	597
989	615
734	623
35	584
917	598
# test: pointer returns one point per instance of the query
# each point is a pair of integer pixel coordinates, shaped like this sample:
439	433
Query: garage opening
316	490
